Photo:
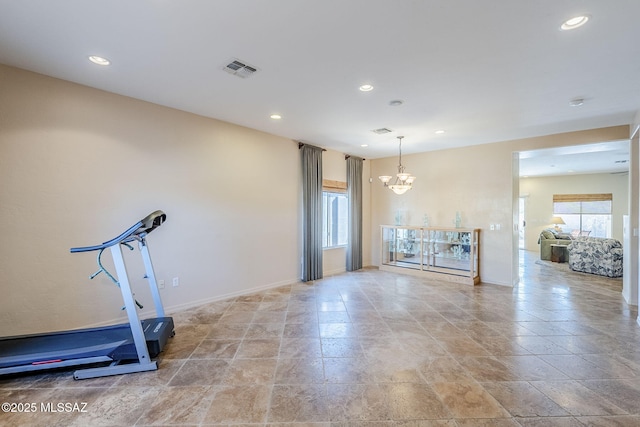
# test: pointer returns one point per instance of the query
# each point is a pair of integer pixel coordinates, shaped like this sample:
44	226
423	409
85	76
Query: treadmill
116	349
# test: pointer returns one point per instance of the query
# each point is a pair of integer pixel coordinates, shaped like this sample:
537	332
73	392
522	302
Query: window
334	219
584	213
335	214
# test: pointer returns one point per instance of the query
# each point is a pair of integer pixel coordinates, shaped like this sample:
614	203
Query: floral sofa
596	255
548	237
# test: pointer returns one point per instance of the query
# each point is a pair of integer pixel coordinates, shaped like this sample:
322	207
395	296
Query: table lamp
556	221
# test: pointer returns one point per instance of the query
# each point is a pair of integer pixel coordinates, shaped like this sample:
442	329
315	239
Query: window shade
582	197
334	186
595	204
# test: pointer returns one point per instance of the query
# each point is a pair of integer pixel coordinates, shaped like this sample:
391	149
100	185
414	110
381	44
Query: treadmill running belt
74	344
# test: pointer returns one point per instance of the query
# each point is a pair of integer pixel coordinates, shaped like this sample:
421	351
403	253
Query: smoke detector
239	68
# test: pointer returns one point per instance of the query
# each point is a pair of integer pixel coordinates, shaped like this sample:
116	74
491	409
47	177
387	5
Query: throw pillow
548	234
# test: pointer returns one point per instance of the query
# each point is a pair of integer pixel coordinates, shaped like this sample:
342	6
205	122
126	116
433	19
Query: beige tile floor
377	349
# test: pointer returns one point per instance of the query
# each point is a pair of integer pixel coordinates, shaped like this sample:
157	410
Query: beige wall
539	200
78	166
479	182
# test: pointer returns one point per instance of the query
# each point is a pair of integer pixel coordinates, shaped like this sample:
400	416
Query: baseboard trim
217	298
172	309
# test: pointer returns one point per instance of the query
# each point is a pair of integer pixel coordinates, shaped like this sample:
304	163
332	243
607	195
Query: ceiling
604	157
482	71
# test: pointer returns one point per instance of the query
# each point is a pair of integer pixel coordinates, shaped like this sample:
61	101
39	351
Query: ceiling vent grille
382	131
239	68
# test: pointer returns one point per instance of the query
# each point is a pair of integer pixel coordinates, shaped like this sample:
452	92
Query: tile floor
377	349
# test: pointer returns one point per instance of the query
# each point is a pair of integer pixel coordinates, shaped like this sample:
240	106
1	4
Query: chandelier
403	180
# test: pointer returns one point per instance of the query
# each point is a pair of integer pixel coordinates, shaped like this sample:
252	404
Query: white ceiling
484	71
604	157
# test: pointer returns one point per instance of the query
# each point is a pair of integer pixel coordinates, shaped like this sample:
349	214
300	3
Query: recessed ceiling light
366	88
276	116
575	22
364	145
99	60
576	102
439	132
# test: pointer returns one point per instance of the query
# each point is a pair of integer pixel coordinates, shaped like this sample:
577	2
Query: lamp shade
557	220
399	188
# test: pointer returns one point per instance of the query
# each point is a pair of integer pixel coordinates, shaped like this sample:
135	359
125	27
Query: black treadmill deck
114	342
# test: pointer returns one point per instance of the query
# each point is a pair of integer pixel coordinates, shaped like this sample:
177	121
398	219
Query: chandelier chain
400	167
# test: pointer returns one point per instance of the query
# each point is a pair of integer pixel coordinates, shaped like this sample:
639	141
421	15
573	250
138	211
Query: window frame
582	202
339	189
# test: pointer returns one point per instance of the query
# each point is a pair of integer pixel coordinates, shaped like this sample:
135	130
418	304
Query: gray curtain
312	212
354	193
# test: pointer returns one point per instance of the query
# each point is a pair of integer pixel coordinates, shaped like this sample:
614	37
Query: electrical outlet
160	284
176	281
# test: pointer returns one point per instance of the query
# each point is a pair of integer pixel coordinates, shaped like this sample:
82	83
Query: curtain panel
354	195
312	212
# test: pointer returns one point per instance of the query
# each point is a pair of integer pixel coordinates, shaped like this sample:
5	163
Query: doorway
608	158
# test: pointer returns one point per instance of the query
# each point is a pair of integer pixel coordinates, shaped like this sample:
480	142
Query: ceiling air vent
239	68
381	131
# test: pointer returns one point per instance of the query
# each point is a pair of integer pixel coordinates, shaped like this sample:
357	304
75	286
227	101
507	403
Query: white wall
540	191
479	182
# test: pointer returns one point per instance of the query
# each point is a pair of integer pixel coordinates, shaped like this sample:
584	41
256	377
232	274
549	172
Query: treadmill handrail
140	229
77	348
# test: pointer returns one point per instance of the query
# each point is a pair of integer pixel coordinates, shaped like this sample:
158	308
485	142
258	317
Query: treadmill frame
144	362
137	232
